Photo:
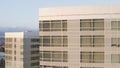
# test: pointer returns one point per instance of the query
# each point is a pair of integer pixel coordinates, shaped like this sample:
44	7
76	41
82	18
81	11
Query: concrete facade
92	34
21	50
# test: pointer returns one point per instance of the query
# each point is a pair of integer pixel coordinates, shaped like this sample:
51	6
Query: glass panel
98	41
115	58
114	41
118	25
98	57
56	25
64	26
118	42
40	54
85	20
46	56
114	25
85	57
46	27
56	41
56	56
98	25
46	41
86	41
41	41
65	41
46	66
65	57
56	67
85	25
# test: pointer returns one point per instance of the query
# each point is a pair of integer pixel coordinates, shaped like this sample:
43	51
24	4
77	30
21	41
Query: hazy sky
24	13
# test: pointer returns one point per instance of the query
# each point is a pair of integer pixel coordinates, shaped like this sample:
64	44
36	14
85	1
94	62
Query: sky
24	13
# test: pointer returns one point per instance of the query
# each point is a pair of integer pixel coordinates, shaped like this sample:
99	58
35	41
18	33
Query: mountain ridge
15	29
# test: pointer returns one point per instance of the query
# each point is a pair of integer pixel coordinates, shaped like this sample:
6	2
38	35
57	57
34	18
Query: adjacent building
21	50
80	37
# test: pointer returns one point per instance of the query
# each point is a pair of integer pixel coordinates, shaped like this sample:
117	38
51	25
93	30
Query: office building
80	37
21	50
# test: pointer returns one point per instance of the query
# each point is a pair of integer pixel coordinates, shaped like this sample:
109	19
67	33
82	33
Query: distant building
21	50
80	37
2	60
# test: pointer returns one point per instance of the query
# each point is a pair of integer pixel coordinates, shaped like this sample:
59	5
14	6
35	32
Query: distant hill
15	29
1	33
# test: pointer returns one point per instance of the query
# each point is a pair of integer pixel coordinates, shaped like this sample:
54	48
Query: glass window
115	25
92	57
8	51
8	39
46	66
85	24
53	25
98	25
8	57
98	57
115	42
46	41
55	56
92	41
85	57
91	24
35	52
41	40
46	56
64	25
118	25
35	64
118	42
41	55
86	41
98	41
65	41
46	26
65	57
8	45
115	58
56	41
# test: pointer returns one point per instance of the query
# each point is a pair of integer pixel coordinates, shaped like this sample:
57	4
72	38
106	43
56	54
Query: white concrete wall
73	16
23	39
